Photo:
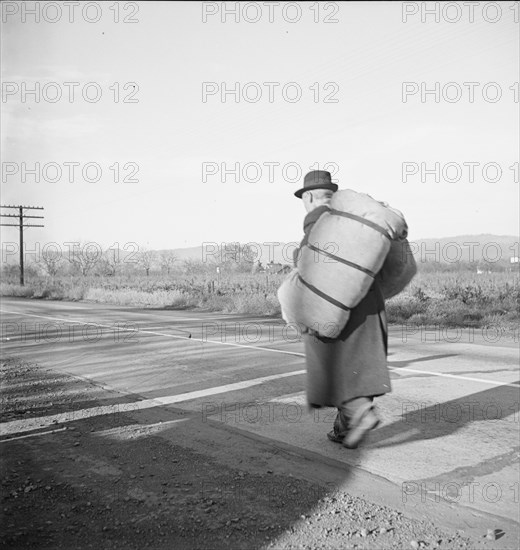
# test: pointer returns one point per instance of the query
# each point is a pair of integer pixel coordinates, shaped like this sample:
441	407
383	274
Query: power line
21	217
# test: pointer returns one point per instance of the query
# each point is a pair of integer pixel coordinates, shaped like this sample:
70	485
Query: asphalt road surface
447	447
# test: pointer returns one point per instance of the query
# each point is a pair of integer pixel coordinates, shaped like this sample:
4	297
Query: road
448	445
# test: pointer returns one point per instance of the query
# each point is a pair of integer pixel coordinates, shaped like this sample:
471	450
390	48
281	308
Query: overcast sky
351	113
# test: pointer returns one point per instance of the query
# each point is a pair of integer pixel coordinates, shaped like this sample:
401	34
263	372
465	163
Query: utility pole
21	217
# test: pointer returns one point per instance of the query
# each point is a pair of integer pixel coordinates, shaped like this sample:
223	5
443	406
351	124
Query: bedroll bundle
398	269
346	248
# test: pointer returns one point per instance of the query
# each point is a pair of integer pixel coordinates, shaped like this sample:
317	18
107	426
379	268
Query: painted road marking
135	431
47	432
291	398
456	376
166	319
155	333
21	426
260	348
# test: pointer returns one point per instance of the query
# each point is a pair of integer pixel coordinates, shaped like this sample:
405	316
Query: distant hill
276	252
193	253
466	248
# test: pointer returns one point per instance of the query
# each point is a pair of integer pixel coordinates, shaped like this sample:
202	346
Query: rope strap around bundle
321	294
341	260
364	221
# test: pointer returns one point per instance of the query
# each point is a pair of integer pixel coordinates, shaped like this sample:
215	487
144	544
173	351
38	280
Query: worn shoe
339	429
361	422
335	437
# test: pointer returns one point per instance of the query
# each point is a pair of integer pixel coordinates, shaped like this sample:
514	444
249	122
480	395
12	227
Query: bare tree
111	262
10	271
167	260
234	256
50	261
146	258
83	257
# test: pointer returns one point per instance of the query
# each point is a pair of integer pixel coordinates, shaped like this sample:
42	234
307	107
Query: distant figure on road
346	372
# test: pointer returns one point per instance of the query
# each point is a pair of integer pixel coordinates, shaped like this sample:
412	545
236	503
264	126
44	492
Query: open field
443	298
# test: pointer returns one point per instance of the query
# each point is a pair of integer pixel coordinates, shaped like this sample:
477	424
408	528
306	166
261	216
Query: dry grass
461	300
445	299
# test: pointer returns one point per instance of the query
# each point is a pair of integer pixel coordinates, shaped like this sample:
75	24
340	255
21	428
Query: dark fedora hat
317	179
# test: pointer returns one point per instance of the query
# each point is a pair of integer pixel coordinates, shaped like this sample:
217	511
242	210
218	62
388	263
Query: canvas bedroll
399	268
346	249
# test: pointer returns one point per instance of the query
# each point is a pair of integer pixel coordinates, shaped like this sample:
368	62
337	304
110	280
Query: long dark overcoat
354	364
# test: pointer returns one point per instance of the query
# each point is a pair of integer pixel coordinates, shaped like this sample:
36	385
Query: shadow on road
421	421
402	364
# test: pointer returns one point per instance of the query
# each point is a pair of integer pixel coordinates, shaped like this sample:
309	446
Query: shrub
451	299
10	289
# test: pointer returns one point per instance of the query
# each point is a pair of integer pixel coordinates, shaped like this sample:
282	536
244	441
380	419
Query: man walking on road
346	372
